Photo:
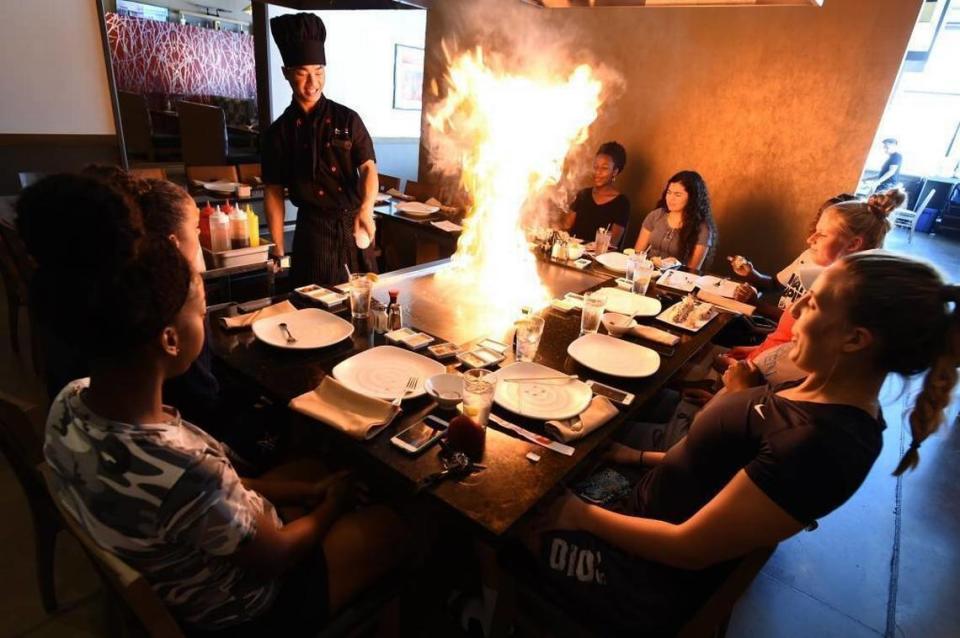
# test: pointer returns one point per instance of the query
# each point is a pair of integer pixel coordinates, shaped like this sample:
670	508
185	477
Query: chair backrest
249	173
135	120
632	231
715	612
147	173
388	181
212	173
926	201
23	263
203	134
418	191
21	441
129	585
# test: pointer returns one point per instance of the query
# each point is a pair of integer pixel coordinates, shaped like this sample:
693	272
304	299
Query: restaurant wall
775	106
56	99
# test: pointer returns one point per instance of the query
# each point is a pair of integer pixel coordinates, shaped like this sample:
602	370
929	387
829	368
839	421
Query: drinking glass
593	304
529	332
601	241
478	391
641	278
360	289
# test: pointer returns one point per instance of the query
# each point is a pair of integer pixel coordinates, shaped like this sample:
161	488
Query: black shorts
616	594
301	608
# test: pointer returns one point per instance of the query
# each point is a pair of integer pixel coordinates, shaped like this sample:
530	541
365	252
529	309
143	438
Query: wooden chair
419	192
147	173
387	182
250	174
21	441
906	218
537	615
17	268
212	173
142	611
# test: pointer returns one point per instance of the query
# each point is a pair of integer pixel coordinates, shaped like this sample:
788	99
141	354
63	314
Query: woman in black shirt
602	205
760	465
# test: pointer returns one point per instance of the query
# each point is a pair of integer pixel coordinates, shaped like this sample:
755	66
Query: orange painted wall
775	106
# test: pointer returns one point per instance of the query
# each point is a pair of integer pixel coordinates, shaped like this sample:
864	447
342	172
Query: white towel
357	415
656	335
597	414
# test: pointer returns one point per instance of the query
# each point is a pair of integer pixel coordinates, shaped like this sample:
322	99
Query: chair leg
46	529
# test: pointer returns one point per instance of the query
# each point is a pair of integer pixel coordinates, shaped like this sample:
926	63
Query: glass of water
478	391
601	241
360	289
639	272
593	304
529	332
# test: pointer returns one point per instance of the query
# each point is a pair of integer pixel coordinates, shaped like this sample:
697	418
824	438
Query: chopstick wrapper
727	304
656	335
597	414
356	415
245	321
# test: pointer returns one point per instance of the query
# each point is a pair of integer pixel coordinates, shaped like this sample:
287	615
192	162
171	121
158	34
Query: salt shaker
380	321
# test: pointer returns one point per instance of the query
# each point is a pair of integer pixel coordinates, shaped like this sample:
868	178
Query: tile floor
885	564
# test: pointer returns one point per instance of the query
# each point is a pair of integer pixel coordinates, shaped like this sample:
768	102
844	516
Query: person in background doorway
889	176
321	152
601	205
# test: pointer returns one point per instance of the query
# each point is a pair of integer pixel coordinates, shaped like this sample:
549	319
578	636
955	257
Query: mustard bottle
253	223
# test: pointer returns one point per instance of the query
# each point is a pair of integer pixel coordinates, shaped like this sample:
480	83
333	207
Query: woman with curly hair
682	225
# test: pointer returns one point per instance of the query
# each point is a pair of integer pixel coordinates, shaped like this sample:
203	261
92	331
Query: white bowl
446	389
575	251
617	324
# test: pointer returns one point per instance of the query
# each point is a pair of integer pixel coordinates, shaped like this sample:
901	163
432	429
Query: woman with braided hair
762	464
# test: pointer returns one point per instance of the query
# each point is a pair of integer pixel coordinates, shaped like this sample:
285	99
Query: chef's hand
746	293
276	254
364	220
742	375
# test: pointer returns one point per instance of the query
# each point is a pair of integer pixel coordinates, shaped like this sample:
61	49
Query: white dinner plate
383	372
616	262
221	187
702	314
678	280
417	209
615	357
312	328
628	303
540	400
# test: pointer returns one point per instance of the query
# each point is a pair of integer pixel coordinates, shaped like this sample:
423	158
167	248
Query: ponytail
927	414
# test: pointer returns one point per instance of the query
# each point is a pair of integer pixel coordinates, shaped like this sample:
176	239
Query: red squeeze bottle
228	208
205	214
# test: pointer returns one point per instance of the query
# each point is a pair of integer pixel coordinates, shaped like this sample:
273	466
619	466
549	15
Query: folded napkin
597	414
393	192
727	304
656	335
245	321
450	227
358	416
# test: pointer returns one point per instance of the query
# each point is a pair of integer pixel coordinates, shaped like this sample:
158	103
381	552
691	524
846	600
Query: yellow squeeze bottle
253	223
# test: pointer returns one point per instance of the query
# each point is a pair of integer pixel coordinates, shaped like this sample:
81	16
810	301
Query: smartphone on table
420	435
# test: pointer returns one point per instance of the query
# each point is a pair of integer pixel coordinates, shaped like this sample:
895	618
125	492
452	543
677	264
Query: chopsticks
568	377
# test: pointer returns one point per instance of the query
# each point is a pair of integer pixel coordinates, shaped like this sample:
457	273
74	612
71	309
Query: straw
347	268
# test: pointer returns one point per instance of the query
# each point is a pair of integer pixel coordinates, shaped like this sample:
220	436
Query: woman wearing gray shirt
682	225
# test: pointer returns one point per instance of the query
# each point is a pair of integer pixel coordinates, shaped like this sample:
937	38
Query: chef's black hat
300	38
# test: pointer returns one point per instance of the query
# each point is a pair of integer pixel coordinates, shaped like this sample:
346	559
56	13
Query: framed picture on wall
407	78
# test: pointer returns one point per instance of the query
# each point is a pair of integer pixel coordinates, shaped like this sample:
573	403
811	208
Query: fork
411	387
283	327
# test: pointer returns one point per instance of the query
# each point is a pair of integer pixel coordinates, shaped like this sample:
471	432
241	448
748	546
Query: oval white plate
312	327
417	209
383	371
221	187
614	261
627	303
615	357
540	400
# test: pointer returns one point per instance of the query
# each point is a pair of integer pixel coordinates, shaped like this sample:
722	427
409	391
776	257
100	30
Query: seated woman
147	485
841	229
758	466
602	205
786	285
682	225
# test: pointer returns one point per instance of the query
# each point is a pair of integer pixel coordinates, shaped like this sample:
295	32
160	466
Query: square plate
383	372
678	280
312	328
701	315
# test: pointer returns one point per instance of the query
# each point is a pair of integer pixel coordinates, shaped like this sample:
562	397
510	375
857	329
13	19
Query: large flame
511	134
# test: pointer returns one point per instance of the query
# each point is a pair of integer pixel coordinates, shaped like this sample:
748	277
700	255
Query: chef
322	153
